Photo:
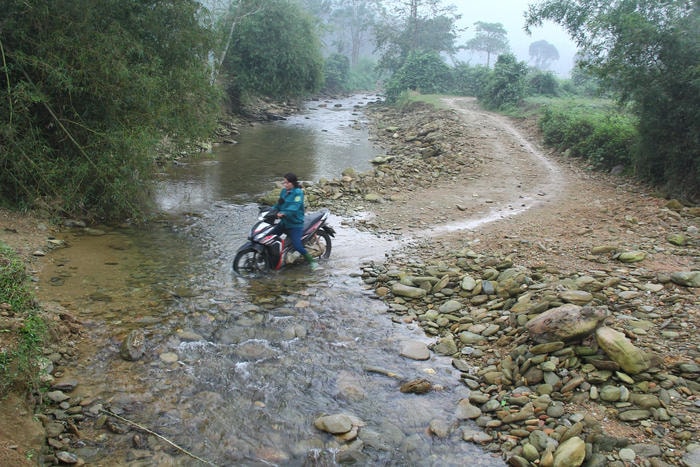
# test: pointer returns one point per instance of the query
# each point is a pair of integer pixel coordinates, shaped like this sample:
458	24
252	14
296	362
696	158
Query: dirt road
541	208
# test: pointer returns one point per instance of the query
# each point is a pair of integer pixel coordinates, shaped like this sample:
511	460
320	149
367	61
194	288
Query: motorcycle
265	251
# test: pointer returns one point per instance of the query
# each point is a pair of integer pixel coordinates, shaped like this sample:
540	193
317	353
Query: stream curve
237	371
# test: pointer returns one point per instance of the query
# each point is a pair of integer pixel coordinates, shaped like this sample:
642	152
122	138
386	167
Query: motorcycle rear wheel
320	246
250	262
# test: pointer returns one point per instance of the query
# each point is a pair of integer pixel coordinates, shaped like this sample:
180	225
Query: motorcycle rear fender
329	230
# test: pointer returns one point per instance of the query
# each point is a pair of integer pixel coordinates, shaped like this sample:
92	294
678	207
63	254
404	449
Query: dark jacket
291	204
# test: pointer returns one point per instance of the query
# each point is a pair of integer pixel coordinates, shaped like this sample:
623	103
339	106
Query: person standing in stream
290	211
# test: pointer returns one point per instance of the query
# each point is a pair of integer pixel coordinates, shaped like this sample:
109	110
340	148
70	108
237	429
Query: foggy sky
510	14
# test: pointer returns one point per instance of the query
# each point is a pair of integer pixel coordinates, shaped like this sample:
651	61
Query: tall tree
491	38
277	54
223	18
353	20
543	54
414	26
648	52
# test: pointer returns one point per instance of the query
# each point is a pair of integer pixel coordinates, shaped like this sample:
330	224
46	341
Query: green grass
22	342
410	97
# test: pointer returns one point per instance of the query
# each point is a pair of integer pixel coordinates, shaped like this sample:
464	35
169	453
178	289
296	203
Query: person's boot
312	261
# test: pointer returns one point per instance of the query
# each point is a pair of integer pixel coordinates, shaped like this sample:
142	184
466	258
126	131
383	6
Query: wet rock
417	386
334	424
116	427
439	428
415	350
446	346
168	357
134	346
466	411
189	336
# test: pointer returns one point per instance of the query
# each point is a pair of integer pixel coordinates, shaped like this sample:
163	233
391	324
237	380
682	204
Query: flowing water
236	371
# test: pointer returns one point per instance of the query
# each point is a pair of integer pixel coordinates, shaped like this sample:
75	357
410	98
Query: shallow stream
236	371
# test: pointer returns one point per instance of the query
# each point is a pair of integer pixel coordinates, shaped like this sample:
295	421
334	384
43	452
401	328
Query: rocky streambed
563	368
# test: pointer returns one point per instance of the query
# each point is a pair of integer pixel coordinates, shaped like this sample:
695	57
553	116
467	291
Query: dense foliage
469	80
603	137
89	88
415	26
647	52
505	86
542	84
337	73
364	76
423	72
275	52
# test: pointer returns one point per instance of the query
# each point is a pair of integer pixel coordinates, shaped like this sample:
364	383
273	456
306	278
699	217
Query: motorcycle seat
313	217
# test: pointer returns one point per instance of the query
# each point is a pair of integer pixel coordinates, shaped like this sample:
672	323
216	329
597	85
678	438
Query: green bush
604	138
424	72
336	71
363	76
505	86
89	89
542	83
469	80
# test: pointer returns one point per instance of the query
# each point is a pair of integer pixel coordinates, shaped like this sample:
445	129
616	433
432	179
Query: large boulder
686	278
402	290
565	323
615	344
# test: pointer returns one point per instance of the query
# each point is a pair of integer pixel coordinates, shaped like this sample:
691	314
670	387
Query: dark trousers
294	233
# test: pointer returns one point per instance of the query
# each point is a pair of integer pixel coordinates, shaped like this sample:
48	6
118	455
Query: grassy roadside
21	327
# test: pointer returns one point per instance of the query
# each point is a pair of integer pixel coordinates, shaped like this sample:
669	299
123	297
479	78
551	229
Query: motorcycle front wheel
250	262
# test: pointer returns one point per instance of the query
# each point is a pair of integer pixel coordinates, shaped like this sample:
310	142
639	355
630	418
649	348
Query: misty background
510	13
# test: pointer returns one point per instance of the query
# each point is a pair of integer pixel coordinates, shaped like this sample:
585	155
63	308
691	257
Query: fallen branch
150	432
